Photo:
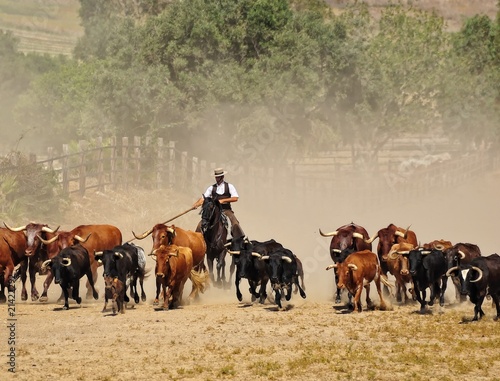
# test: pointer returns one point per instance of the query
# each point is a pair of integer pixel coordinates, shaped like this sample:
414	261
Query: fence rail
403	169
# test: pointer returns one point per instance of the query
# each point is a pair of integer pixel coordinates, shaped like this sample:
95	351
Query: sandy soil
220	338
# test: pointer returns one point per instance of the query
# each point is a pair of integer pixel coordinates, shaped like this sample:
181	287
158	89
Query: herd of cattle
68	256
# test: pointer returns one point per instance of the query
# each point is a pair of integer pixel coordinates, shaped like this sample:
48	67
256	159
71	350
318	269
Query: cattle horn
80	239
98	253
393	255
370	240
286	259
337	251
425	252
18	229
438	247
255	254
334	266
352	266
404	252
176	254
45	264
400	234
480	274
143	235
48	241
451	269
117	254
66	262
46	229
462	254
358	235
227	244
233	252
264	257
328	234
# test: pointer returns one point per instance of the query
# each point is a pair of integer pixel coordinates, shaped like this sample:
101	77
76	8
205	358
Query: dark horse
214	229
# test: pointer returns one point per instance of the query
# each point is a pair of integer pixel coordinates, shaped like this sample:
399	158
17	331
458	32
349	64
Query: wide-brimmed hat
219	172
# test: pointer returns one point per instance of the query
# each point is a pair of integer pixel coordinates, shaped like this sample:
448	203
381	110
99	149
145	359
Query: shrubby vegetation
212	74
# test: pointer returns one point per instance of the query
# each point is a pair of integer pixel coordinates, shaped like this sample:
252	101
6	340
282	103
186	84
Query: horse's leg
210	262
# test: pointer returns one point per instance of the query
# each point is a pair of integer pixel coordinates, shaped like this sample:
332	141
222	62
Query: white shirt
220	190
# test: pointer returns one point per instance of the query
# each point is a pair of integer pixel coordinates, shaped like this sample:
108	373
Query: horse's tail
200	280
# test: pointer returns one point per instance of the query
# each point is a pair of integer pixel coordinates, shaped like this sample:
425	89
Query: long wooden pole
181	214
171	219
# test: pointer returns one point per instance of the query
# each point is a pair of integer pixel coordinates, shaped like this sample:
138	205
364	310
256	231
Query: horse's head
210	212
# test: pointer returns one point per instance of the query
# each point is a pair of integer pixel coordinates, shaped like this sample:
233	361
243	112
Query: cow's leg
3	298
90	281
232	267
46	284
478	311
65	291
399	297
383	306
24	276
496	301
420	298
32	271
167	295
158	290
369	303
444	285
301	290
277	297
339	291
141	282
237	280
357	297
134	284
263	292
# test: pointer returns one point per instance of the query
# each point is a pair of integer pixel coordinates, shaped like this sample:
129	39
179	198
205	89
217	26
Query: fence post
64	164
112	161
125	161
184	169
171	164
50	157
137	158
159	164
81	147
100	165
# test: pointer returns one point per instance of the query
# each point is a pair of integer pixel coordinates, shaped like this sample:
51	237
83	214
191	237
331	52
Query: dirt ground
218	337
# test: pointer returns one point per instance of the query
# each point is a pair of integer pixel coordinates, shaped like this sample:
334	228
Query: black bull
68	267
482	278
122	262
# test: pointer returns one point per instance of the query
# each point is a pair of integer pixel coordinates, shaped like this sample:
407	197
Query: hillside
53	26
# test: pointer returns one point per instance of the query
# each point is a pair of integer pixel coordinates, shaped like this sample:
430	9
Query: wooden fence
144	163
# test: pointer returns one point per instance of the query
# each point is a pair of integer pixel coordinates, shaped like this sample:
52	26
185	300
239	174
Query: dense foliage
289	75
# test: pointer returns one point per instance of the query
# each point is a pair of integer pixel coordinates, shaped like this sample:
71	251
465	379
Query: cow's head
345	274
58	266
109	260
163	255
276	264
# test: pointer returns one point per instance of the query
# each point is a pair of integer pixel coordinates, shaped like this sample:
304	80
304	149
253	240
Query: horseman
226	194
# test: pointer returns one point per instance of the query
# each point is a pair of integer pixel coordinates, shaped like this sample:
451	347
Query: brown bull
165	235
389	236
92	237
439	244
12	254
35	252
398	265
357	271
345	239
174	265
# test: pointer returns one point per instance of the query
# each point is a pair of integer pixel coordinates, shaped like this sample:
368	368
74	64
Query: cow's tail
200	280
385	281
